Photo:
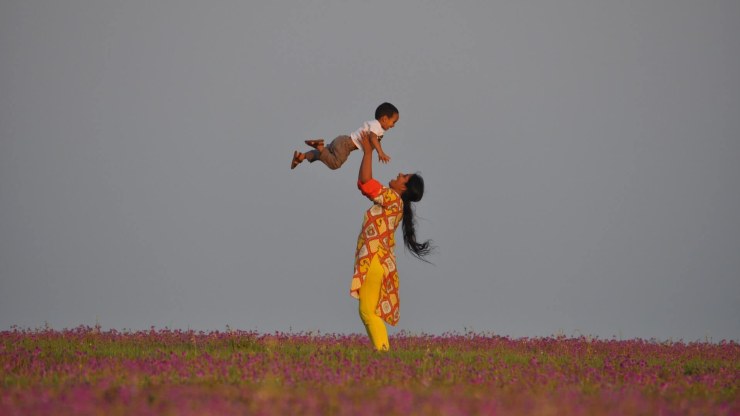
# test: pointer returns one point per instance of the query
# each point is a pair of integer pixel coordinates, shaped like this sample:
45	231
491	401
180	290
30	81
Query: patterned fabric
377	238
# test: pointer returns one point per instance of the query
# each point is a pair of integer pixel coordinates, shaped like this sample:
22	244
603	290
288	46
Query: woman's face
399	183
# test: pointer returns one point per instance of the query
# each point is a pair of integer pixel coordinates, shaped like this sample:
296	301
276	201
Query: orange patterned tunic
377	238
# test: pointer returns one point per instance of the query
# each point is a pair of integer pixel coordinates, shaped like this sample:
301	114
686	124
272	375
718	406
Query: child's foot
317	144
297	158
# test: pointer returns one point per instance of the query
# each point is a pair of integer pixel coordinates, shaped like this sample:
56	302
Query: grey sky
581	162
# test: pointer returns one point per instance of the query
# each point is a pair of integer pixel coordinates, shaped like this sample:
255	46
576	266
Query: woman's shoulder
391	200
390	194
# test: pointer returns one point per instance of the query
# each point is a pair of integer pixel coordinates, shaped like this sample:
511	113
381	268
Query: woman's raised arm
366	167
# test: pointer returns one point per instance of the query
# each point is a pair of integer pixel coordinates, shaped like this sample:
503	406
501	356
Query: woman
375	282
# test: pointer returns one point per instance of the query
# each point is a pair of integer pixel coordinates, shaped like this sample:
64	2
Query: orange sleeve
370	189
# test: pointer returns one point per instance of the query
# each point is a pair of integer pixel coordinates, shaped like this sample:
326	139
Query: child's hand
382	157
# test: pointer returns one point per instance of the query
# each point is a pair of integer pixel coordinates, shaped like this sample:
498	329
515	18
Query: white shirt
372	125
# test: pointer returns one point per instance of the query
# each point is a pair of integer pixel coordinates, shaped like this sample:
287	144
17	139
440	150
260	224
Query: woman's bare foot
317	144
297	158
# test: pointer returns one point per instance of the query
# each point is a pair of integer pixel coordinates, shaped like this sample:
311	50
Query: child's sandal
315	143
296	159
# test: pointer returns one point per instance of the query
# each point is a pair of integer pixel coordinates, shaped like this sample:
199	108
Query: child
336	153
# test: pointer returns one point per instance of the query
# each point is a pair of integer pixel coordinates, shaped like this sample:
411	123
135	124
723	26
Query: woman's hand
365	138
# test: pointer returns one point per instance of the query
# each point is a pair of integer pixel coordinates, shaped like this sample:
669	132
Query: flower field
87	371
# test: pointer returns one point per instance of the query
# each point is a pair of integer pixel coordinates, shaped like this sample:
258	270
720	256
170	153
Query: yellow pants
369	295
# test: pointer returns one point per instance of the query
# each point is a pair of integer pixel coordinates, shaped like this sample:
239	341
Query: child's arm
376	145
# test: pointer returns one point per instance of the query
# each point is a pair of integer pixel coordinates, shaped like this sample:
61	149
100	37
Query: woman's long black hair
413	193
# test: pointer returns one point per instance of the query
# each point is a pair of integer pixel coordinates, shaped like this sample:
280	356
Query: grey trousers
334	154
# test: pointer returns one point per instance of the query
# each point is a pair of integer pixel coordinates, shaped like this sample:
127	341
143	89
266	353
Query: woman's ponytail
413	193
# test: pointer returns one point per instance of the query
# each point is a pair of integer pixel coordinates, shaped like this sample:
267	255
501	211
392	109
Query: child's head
387	115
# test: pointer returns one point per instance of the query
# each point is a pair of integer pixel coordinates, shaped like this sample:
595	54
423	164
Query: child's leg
369	296
335	153
312	155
